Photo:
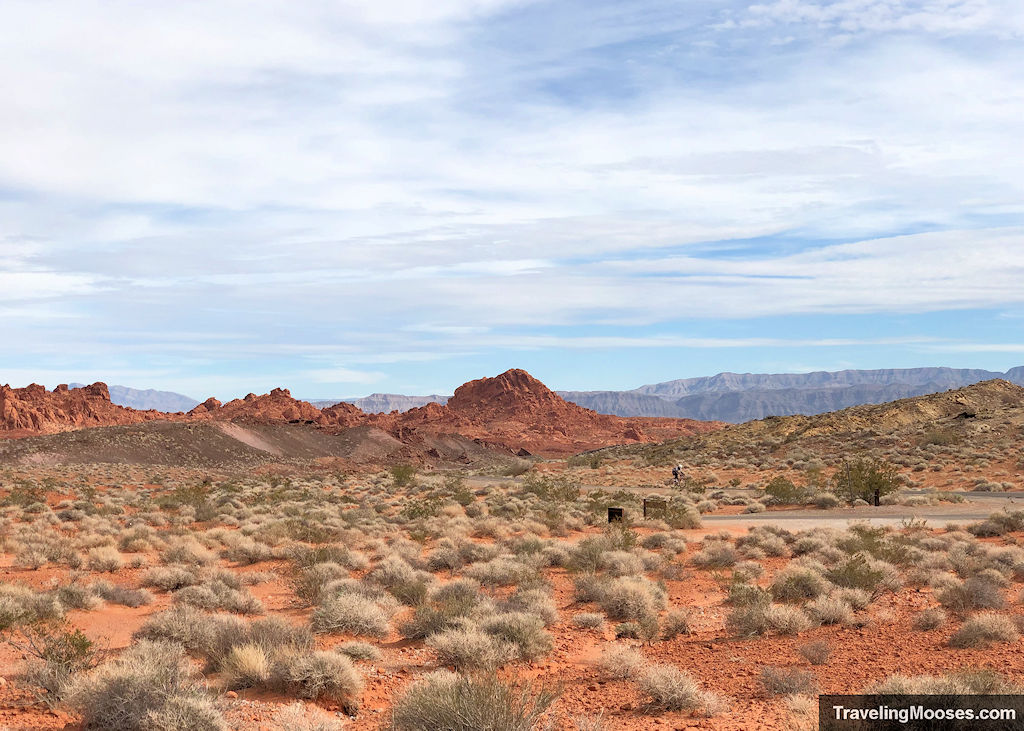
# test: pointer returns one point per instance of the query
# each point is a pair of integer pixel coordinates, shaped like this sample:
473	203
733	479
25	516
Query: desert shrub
983	630
858	572
151	686
77	596
56	657
743	594
830	610
754	507
533	601
965	682
622	662
310	583
788	681
22	605
747	571
930	619
105	558
469	648
446	701
782	491
447	605
978	592
670	688
403	474
759	619
825	501
246	666
122	595
502	571
798	583
190	552
299	716
676	622
816	653
588	620
524	632
356	650
632	598
170	578
351	614
318	675
716	555
216	594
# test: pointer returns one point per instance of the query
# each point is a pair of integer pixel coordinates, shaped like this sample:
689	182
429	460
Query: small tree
783	491
864	479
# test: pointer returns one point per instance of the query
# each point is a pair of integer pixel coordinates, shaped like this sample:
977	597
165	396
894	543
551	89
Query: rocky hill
513	412
978	414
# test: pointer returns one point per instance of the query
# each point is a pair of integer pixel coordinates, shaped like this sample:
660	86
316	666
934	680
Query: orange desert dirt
333	574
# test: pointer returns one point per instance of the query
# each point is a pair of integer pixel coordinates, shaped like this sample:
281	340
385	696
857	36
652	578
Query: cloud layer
342	192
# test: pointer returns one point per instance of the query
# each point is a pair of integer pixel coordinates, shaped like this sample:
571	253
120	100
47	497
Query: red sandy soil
729	667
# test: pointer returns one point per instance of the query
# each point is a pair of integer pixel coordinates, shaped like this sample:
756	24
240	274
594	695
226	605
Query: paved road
977	506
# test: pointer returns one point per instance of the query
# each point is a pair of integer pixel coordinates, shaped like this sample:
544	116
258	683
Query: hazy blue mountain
739	397
385	402
148	399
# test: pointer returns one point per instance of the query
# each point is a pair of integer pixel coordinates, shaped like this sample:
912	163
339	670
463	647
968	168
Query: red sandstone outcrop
513	410
34	410
276	407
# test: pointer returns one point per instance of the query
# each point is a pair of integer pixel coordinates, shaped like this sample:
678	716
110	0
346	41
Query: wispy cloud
317	184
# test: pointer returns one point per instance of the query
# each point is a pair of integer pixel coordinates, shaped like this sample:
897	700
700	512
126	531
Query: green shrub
863	478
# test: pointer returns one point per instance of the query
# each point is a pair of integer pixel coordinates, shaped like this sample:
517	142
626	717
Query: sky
347	197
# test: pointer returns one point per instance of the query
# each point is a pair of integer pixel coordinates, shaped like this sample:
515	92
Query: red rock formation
516	411
35	410
513	410
276	407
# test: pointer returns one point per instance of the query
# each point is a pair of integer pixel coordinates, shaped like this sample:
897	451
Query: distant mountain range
731	397
385	403
135	398
739	397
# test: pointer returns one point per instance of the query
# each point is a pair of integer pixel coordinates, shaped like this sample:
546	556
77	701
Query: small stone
231	694
592	686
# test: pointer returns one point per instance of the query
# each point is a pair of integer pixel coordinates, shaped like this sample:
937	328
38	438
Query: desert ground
321	593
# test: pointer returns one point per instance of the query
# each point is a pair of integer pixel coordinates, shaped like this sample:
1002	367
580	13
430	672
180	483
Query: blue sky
343	197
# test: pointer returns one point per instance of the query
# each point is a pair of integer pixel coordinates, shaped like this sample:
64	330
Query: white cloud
392	182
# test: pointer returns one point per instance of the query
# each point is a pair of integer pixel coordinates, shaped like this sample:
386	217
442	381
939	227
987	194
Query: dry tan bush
670	688
149	687
983	630
105	559
525	633
246	666
298	716
588	620
446	700
622	662
930	619
469	648
351	614
816	653
788	681
356	650
318	675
